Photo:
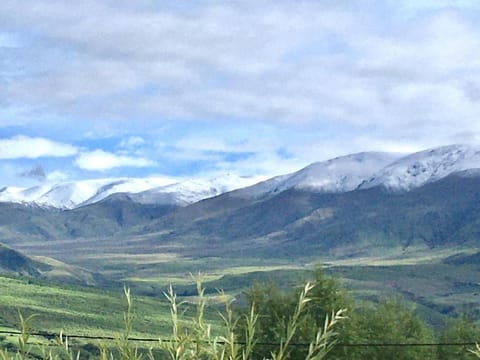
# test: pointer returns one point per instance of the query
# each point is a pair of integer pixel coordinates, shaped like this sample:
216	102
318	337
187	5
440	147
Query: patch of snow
69	195
193	190
341	174
151	190
420	168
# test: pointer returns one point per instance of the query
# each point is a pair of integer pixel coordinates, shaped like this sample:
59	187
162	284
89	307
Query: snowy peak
341	174
423	167
22	195
129	186
193	190
371	169
152	190
346	173
69	195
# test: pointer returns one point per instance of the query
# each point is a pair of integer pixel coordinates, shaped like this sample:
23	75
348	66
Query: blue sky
111	88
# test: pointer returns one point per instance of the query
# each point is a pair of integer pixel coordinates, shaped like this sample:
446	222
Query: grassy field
88	312
434	288
75	310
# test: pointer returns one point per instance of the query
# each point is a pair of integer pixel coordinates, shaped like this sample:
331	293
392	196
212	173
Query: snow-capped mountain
72	194
417	169
129	186
341	174
364	170
371	169
144	190
192	190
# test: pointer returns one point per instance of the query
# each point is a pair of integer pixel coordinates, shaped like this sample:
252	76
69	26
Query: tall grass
191	338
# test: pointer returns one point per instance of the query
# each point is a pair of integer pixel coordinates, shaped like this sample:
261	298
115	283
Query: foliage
23	351
383	328
460	330
389	326
277	309
195	338
302	323
476	351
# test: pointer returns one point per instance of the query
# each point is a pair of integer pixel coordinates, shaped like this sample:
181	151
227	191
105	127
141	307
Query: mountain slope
337	175
431	165
191	191
356	223
292	215
15	263
33	223
151	190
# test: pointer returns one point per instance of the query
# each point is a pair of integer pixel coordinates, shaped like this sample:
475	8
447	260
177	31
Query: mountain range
362	204
73	194
391	171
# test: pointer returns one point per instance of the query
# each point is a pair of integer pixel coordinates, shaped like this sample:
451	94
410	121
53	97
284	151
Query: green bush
193	338
460	330
392	323
303	323
276	309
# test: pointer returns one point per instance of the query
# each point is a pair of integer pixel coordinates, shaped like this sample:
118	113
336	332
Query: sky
115	88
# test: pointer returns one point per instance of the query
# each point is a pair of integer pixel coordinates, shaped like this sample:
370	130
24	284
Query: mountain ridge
394	172
300	222
150	190
294	223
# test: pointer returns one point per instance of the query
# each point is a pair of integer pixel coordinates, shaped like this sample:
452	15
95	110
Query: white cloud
33	147
380	79
100	160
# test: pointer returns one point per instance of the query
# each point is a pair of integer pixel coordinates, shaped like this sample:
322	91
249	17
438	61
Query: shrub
193	338
275	309
460	330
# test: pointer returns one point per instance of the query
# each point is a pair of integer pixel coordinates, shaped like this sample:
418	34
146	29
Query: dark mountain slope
24	223
111	215
15	263
443	213
19	222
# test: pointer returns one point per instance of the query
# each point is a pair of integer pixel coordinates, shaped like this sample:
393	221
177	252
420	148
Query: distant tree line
381	329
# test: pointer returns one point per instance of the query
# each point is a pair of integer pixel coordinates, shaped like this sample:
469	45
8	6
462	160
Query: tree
275	308
459	330
388	327
389	323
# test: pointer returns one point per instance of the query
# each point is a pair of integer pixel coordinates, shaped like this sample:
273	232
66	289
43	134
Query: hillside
14	263
149	190
288	217
290	224
356	223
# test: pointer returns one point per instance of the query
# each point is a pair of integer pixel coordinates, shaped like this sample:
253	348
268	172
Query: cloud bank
273	61
33	147
258	87
100	160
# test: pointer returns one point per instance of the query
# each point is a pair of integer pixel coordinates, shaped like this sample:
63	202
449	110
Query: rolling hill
15	263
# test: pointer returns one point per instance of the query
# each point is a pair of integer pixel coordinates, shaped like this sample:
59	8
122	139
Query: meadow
435	288
76	310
